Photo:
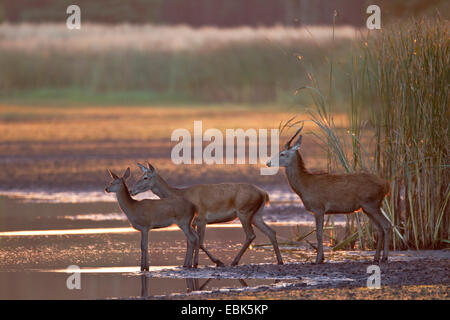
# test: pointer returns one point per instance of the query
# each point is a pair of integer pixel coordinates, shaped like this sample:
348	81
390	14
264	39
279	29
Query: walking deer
216	203
324	193
149	214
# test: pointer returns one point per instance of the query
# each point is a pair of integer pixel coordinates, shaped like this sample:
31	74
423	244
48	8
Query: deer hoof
319	261
220	264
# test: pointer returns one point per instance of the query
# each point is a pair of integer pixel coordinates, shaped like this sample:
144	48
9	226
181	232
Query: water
41	234
99	285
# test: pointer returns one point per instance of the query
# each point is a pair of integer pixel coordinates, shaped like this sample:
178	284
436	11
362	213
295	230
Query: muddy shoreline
421	277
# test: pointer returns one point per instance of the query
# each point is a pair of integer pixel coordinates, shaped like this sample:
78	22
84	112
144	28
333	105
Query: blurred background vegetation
271	47
221	13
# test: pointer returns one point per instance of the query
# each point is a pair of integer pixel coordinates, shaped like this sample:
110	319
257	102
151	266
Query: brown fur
340	193
216	203
335	193
149	214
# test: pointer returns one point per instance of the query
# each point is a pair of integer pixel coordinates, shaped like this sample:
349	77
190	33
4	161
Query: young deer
336	193
216	203
153	214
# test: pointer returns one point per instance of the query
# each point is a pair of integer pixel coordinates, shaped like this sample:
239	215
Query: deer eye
145	178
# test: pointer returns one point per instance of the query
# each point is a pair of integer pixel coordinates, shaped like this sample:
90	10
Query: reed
410	68
399	129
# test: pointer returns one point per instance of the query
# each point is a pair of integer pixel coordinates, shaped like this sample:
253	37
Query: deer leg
319	233
144	250
369	213
383	230
191	244
385	226
270	233
379	240
196	246
201	228
195	243
249	236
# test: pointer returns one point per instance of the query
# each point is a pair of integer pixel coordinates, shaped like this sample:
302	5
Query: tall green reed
398	129
410	67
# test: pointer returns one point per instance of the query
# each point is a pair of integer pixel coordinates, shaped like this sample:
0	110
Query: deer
148	214
216	203
325	193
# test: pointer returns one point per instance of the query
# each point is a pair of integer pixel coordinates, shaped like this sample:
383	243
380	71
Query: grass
74	96
154	64
413	121
398	90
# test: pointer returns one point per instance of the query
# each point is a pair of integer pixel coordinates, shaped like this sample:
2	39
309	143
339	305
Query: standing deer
216	203
149	214
324	193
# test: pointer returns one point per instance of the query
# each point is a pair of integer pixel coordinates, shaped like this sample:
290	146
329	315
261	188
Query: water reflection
144	286
192	284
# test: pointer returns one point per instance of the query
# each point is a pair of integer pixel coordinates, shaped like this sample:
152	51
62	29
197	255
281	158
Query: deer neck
126	203
162	189
297	175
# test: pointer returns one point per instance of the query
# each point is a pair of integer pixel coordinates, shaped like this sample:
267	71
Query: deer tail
387	188
267	199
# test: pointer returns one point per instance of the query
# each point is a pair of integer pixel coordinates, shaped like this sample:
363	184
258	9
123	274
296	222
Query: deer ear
150	167
113	175
297	143
143	168
127	173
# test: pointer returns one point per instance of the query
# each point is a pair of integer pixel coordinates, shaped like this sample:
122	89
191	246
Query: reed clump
409	74
399	129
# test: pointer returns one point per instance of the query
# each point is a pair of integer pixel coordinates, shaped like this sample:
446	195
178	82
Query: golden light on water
129	269
111	230
65	232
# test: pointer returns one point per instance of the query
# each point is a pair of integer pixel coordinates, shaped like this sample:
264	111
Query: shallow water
40	237
100	285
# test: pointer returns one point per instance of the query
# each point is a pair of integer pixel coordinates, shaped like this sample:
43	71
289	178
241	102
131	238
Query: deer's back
225	196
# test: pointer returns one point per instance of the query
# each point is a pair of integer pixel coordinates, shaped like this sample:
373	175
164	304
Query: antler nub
288	144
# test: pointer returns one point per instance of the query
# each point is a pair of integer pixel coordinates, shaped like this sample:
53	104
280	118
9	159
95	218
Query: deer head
118	182
146	181
288	153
